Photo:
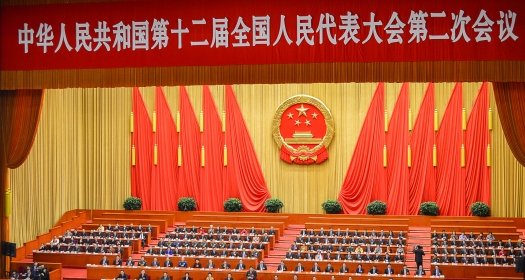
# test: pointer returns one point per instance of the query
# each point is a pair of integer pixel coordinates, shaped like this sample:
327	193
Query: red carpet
418	236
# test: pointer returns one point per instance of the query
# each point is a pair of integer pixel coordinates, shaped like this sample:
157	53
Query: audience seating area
220	243
475	248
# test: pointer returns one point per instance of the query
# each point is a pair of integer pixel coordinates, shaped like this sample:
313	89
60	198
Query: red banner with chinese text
163	33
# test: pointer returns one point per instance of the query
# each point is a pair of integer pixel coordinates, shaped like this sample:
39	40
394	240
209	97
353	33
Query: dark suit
282	267
143	276
419	253
225	266
251	275
389	271
122	276
436	272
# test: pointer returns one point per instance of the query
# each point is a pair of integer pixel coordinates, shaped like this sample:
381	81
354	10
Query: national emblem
303	128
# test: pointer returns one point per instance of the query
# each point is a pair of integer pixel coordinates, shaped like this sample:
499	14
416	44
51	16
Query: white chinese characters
410	27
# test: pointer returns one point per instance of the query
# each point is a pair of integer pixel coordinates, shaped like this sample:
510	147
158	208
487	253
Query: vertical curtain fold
212	188
477	176
189	172
142	139
422	180
366	175
164	174
243	171
397	148
510	99
450	193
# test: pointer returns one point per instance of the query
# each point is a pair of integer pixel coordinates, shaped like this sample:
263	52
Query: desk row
99	272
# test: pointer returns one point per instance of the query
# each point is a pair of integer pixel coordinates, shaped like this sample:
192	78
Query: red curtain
189	172
477	176
243	171
164	174
397	147
26	111
142	140
19	118
450	192
212	188
422	179
510	99
366	179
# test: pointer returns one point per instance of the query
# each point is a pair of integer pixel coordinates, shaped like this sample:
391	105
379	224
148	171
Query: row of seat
191	251
211	230
176	243
461	250
84	248
473	259
108	228
217	236
378	257
351	233
108	234
350	240
97	271
95	240
151	230
478	243
350	248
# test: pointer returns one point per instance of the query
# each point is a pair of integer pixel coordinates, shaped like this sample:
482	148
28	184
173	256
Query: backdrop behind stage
81	155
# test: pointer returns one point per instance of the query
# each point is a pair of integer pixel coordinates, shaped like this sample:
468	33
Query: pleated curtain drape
212	175
450	176
422	180
164	183
477	141
142	144
365	179
510	99
397	147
